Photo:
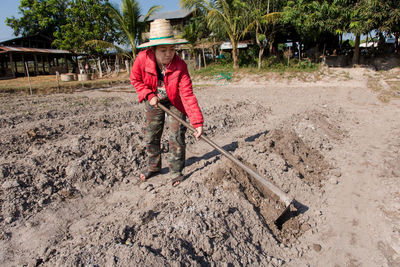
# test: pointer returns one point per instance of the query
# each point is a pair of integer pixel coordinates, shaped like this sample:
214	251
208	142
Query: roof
4	49
174	14
26	37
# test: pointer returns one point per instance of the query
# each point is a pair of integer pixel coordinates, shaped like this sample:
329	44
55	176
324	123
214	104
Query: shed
33	54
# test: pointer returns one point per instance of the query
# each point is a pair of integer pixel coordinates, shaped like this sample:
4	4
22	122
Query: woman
160	76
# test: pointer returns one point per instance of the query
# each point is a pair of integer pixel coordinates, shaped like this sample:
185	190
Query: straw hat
161	33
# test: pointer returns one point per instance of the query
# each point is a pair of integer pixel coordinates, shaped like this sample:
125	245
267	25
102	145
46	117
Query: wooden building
34	55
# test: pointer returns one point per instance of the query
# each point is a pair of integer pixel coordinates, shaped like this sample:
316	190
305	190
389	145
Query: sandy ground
70	194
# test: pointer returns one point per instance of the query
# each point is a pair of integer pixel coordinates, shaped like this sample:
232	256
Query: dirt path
70	196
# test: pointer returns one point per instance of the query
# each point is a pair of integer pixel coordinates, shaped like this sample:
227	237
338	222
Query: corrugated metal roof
174	14
33	50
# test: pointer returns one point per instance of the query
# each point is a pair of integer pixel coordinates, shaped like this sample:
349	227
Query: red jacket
177	84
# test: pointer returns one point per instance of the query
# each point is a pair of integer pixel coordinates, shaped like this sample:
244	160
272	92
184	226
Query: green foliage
86	20
39	16
249	57
270	64
214	69
195	30
225	15
277	64
128	21
382	15
68	23
310	18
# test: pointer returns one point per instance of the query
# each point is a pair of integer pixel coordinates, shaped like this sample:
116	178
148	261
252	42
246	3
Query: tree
129	22
194	31
383	16
86	20
349	16
264	23
40	16
310	19
224	14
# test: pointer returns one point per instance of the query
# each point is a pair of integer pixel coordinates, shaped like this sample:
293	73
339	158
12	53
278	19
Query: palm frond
152	10
107	45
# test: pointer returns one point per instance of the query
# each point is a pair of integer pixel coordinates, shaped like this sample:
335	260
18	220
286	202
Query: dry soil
70	194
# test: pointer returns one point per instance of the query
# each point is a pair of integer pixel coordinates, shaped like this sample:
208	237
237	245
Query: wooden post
15	67
66	62
127	66
116	64
48	62
26	70
204	58
43	66
36	64
29	80
58	80
199	61
100	70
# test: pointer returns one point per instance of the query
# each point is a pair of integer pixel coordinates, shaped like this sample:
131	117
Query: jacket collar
151	63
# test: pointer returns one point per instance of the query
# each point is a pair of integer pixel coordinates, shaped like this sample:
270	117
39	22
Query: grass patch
384	94
374	85
271	64
212	70
48	84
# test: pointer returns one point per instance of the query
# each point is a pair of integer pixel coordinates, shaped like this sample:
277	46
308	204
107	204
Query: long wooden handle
282	196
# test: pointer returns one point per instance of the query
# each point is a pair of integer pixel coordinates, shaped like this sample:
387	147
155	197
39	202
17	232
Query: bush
249	58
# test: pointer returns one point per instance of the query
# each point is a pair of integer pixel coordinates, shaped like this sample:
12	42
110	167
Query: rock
29	224
396	172
8	220
305	227
150	187
42	201
10	184
5	235
143	186
300	253
73	168
48	191
3	172
317	247
275	261
336	173
333	180
42	181
318	213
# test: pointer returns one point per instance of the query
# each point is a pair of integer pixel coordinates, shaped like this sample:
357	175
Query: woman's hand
198	132
154	101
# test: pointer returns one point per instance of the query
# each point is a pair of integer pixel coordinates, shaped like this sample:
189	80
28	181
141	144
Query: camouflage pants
155	119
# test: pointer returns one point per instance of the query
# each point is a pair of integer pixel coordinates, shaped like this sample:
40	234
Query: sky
9	8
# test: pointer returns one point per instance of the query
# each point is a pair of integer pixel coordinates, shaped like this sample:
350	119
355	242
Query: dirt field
70	194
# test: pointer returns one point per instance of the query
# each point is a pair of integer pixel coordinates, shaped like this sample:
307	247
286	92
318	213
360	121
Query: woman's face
164	54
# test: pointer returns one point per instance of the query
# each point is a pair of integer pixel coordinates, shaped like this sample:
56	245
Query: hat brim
163	42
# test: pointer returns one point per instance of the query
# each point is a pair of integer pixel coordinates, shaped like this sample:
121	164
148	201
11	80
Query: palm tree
193	32
129	21
225	14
